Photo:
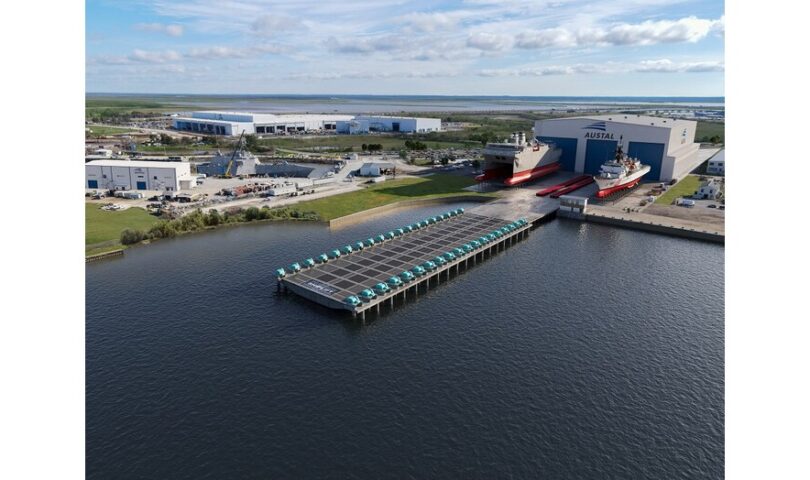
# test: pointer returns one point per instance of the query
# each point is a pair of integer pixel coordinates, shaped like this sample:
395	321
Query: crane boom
238	146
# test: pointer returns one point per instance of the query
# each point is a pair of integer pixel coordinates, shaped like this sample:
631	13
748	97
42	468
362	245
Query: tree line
197	220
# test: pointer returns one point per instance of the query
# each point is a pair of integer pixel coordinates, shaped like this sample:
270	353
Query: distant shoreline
332	103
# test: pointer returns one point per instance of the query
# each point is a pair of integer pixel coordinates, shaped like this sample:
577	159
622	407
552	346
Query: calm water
581	352
407	103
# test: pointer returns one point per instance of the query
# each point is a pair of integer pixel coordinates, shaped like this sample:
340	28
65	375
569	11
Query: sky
461	47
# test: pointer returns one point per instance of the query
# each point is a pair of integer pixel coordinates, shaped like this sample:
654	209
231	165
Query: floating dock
398	264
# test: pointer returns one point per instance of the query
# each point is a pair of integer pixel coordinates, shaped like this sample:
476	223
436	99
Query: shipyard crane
237	148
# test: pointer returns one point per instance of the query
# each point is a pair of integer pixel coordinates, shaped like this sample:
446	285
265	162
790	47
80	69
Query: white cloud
144	56
210	53
169	56
383	43
667	66
371	75
492	42
430	22
719	26
172	30
689	30
268	25
551	37
647	66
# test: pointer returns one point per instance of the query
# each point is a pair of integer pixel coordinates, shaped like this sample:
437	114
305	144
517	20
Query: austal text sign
599	135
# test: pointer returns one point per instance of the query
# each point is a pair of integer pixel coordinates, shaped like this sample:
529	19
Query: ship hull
527	175
631	181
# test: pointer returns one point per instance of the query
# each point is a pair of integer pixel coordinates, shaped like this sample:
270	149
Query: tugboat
517	161
619	174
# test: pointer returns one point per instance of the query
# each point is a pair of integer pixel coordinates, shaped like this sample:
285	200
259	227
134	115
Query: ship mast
619	152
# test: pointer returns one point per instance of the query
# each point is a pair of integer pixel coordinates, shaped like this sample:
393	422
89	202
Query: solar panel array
350	274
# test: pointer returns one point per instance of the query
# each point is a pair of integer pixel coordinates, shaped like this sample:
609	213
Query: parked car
712	206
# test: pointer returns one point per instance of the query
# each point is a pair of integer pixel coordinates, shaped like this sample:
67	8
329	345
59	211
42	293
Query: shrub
251	214
129	236
213	218
164	229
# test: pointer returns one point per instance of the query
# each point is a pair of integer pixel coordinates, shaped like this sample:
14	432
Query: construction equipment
239	146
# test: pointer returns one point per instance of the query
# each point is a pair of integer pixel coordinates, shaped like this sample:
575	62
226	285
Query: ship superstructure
620	173
517	160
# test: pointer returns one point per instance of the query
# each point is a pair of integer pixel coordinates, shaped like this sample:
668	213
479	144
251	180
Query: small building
708	190
573	206
375	169
137	175
717	164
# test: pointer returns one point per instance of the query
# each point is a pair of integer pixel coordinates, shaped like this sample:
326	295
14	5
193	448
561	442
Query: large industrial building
367	123
133	175
666	145
234	123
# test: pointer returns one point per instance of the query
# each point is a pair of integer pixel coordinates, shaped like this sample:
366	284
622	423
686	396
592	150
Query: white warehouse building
372	123
666	145
717	164
233	123
133	175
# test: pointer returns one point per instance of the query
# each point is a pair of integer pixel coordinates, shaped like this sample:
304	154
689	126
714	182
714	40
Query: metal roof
134	164
265	118
645	120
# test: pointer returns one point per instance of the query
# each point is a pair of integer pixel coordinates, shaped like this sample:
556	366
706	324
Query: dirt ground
698	213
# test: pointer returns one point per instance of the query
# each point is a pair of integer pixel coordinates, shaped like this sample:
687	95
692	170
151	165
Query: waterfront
584	351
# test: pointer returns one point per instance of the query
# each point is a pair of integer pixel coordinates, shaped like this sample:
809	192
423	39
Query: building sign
602	132
600	135
596	126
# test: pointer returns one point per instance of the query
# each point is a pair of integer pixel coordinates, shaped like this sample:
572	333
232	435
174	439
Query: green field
707	130
101	130
103	229
433	186
104	108
684	188
341	143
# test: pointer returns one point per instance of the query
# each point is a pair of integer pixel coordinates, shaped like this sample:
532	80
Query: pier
398	267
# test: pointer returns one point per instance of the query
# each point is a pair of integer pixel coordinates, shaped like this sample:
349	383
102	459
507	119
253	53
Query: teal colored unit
598	152
651	154
568	157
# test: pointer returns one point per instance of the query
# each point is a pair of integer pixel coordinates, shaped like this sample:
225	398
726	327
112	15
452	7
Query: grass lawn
388	192
181	148
684	188
97	130
102	227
